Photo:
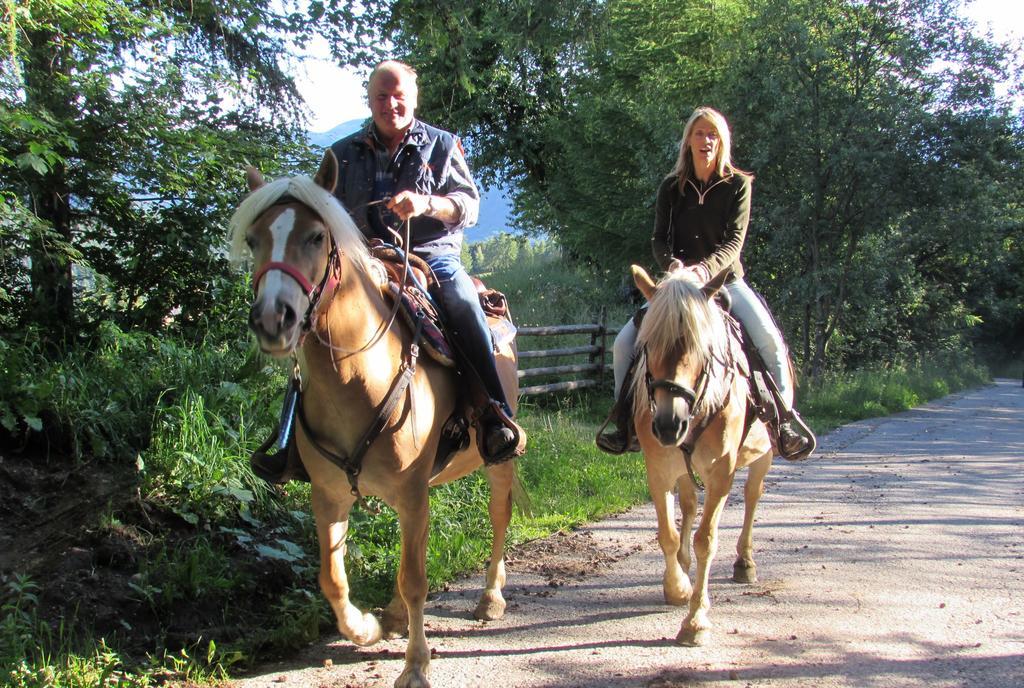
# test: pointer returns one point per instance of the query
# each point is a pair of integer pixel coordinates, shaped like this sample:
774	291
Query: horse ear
674	264
327	176
253	178
643	281
711	288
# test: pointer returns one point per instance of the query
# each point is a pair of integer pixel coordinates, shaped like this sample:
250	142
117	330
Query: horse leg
675	583
413	519
492	604
696	627
688	506
394	618
332	528
744	570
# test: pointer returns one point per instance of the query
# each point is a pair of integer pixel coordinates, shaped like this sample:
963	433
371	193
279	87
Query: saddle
416	300
417	304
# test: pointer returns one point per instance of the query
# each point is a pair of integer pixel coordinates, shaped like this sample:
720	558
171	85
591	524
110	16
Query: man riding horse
399	170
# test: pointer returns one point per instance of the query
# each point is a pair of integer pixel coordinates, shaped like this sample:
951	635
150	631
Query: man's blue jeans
457	297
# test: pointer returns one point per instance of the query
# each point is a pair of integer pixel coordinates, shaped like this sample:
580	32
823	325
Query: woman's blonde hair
723	164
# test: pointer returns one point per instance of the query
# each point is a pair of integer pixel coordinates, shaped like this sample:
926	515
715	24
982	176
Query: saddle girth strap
353	464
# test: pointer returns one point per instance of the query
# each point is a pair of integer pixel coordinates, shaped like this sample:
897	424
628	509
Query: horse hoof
744	572
491	607
693	637
412	678
369	634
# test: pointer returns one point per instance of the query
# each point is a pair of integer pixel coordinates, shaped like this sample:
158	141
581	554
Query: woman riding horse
701	217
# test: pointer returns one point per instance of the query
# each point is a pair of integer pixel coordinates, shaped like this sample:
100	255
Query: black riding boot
623	437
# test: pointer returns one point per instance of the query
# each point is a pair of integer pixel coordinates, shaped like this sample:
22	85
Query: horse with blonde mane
692	419
359	369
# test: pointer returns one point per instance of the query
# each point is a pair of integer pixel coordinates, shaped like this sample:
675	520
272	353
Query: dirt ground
85	538
891	558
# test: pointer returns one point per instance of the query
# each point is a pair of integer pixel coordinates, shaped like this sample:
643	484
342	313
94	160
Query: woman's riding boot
792	444
622	438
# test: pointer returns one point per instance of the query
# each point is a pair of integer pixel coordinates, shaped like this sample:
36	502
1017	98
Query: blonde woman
701	217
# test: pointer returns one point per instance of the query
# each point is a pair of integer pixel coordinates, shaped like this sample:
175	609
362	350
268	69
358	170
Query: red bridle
313	292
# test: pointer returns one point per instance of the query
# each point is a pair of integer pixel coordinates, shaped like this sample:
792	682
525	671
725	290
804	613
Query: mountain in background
495	207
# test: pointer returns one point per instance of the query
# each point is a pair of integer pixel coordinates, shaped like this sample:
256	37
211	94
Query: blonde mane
681	321
346	235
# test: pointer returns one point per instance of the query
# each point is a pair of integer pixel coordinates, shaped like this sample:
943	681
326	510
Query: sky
338	95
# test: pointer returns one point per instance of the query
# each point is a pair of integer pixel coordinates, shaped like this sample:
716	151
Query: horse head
296	233
681	334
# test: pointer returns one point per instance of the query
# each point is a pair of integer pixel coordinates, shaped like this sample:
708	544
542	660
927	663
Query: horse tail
520	497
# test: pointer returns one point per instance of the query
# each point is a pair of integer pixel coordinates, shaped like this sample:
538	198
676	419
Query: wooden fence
592	373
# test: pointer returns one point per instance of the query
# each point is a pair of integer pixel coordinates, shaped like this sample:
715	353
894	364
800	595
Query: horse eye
250	241
316	239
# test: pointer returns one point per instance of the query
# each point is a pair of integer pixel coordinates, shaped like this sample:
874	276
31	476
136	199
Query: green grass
845	397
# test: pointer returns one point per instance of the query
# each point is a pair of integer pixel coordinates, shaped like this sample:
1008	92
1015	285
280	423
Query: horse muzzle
671	422
276	325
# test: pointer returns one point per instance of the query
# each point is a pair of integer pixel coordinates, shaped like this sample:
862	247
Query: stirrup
279	467
803	430
616	442
494	413
620	440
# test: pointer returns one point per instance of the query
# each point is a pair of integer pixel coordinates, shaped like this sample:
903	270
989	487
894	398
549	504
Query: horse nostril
254	316
287	314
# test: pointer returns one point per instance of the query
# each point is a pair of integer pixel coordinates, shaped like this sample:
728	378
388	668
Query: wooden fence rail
581	375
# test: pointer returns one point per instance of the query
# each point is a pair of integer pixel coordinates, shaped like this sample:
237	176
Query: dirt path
892	558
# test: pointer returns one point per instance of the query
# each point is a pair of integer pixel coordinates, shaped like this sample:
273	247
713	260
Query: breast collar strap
352	464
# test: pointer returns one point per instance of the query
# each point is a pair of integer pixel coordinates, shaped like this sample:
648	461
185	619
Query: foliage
123	130
33	655
846	397
866	124
103	402
888	160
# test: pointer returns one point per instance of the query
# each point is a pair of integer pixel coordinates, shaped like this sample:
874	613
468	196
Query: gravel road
890	558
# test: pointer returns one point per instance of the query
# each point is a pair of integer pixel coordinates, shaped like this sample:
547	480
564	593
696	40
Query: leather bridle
314	293
694	398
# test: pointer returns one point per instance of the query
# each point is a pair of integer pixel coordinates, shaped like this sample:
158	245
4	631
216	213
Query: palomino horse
691	417
309	257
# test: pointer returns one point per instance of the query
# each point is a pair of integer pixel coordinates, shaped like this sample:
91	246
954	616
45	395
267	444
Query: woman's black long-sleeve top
706	224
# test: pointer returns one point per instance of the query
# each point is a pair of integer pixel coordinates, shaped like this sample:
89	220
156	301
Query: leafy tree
123	129
874	129
854	116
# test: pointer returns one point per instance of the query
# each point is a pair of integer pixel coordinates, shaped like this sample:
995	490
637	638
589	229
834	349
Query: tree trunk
52	282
